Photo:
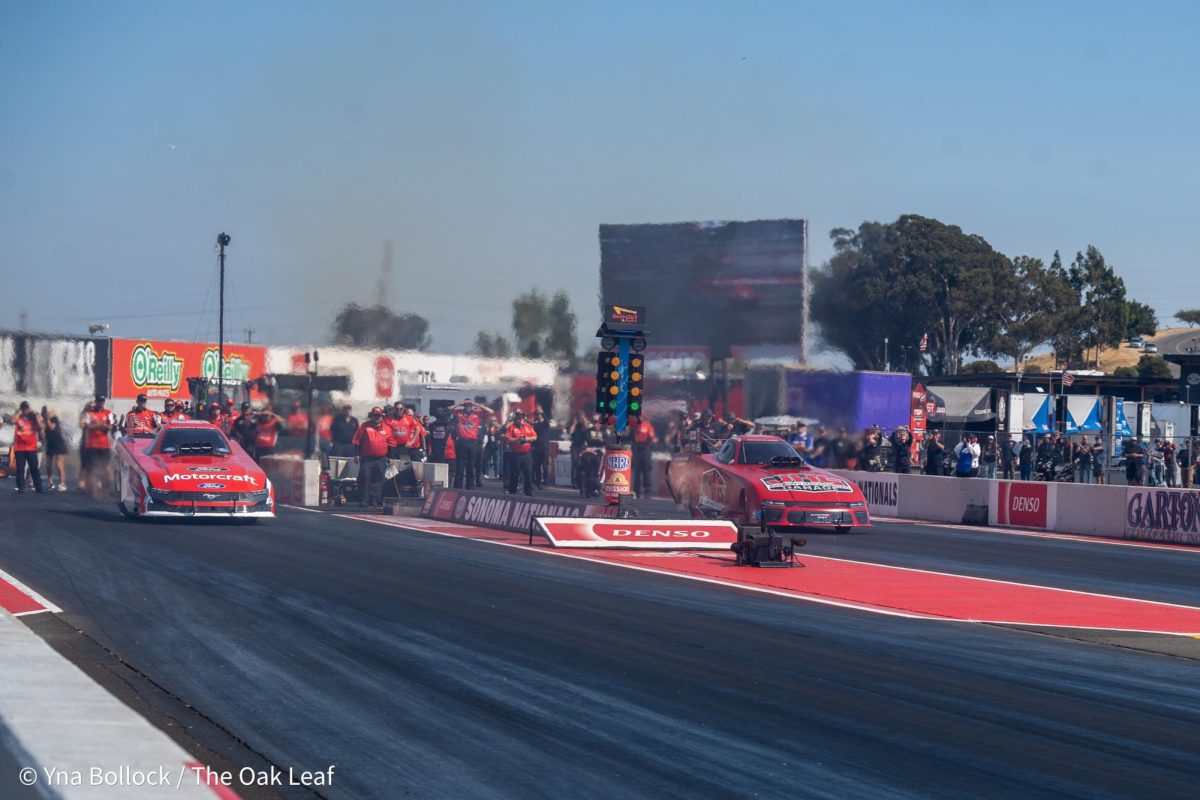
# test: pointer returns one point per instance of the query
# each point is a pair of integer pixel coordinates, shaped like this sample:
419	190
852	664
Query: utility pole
887	366
222	241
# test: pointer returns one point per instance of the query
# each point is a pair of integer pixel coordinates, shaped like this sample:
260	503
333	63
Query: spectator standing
578	433
901	450
644	439
801	440
325	430
1134	461
341	433
1009	450
372	441
1084	462
25	447
1099	461
56	450
989	457
1184	458
541	449
869	459
1170	464
97	442
84	464
416	435
141	421
468	421
1025	460
839	450
245	428
491	451
966	457
266	433
441	439
935	454
396	422
519	436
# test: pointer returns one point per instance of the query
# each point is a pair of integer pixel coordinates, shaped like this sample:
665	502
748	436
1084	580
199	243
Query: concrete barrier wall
296	481
1117	512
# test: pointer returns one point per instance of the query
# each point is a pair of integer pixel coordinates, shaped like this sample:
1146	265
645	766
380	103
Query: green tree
1141	319
377	326
561	341
907	278
979	367
1104	314
1191	317
491	345
1033	310
1126	372
1154	368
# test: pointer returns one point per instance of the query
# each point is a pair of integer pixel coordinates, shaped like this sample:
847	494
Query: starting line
895	591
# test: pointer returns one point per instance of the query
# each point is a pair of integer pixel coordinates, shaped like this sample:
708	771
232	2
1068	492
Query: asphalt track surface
425	666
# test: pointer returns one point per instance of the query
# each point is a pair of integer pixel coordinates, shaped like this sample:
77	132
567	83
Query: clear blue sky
488	141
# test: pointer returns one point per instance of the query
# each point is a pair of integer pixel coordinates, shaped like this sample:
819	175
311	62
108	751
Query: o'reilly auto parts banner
501	511
161	369
1162	515
639	534
1021	504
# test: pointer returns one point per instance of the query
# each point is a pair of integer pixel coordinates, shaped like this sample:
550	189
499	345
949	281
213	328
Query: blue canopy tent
1083	415
1039	413
1122	426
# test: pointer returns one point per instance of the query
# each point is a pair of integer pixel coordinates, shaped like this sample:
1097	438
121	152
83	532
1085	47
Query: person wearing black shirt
901	450
935	454
341	434
439	434
245	428
541	449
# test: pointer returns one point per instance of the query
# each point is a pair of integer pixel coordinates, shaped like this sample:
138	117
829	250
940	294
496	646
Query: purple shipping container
851	400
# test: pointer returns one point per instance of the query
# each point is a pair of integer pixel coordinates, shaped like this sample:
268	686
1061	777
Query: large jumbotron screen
712	284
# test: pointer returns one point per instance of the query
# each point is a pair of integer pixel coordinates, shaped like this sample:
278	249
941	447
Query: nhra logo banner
501	511
1162	515
161	369
881	491
639	534
806	482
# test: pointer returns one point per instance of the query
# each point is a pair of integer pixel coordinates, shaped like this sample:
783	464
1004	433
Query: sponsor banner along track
639	534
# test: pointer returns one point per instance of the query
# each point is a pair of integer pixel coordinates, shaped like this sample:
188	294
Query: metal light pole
887	366
222	240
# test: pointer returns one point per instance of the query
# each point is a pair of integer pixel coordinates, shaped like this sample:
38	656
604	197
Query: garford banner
1162	515
639	534
505	512
161	369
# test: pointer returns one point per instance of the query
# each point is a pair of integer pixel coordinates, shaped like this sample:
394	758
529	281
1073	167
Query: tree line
919	277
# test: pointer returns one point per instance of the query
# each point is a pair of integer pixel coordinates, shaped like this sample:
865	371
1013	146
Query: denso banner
1022	504
639	534
161	369
1162	515
501	511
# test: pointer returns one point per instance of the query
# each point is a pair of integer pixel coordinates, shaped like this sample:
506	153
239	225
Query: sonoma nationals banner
161	369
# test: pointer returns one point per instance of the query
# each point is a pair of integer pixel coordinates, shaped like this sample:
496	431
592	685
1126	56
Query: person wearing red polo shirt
644	439
25	447
399	426
99	423
297	421
467	428
266	434
371	443
414	441
173	412
141	421
519	436
325	429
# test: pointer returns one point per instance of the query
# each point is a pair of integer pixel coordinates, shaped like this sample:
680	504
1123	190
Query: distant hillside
1110	360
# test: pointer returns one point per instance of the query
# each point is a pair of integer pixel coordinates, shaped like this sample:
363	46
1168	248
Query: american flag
1067	379
924	342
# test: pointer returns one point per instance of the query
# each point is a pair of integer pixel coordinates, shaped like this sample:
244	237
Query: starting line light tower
620	367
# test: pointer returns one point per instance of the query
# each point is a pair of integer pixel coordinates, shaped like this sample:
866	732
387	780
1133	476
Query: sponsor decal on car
210	486
712	491
800	482
208	469
184	476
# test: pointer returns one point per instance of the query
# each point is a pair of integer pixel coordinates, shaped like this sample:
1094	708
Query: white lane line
1060	535
48	606
302	508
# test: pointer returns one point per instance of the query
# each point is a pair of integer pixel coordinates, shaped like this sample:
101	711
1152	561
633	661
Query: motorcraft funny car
190	469
760	480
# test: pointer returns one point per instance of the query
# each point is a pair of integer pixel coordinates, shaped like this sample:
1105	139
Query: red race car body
190	469
753	479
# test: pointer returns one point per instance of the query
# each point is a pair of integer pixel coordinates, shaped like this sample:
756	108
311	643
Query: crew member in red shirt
99	423
25	446
266	434
412	444
325	429
371	444
468	422
644	439
519	435
399	425
227	416
173	412
141	421
297	421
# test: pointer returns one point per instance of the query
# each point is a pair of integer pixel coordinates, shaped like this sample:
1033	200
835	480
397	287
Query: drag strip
428	666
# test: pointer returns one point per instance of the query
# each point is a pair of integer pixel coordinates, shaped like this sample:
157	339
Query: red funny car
749	476
190	469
